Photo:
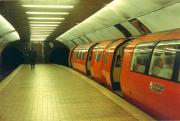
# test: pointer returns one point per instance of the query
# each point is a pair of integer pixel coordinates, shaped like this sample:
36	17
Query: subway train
145	70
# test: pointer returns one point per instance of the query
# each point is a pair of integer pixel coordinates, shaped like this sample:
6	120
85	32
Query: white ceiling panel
118	11
5	26
13	36
165	19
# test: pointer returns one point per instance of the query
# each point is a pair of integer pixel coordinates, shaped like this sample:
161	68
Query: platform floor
57	93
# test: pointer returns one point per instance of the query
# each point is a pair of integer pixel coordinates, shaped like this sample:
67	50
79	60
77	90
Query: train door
88	69
116	67
70	57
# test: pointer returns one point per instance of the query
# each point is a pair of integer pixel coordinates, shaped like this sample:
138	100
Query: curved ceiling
18	15
83	24
7	33
156	15
14	13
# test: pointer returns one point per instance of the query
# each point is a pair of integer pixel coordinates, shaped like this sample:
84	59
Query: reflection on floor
56	93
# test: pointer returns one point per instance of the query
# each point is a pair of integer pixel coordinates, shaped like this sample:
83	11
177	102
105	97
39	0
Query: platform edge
131	109
9	78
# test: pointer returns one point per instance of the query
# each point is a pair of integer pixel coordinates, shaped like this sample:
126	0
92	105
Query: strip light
48	6
34	31
40	32
39	18
43	25
42	22
42	29
48	13
37	35
37	39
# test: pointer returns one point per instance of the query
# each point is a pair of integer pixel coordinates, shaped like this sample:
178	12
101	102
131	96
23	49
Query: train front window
179	76
82	55
77	54
98	53
105	57
163	59
141	57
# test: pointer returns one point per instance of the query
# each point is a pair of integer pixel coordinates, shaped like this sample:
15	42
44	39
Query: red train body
70	57
148	69
108	66
150	83
80	56
97	60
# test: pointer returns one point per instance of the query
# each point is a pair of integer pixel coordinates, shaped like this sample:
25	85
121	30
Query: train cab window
118	61
77	53
179	76
141	57
105	57
82	55
163	59
98	53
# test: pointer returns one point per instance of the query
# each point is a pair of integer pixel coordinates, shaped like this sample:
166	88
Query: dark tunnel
12	58
59	56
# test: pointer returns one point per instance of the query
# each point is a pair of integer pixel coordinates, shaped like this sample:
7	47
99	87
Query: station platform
56	93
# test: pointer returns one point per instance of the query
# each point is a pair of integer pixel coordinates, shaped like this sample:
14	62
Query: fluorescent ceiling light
34	38
48	6
48	13
40	38
37	39
48	18
34	29
42	22
38	35
40	32
42	25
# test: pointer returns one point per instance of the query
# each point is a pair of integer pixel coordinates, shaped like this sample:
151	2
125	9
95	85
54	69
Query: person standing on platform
33	58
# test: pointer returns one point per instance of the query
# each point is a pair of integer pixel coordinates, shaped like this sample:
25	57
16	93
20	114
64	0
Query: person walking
33	58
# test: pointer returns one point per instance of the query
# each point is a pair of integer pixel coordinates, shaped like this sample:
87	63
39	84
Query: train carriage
112	64
97	60
70	56
150	74
81	58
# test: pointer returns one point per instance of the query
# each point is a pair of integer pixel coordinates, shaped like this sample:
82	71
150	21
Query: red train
146	70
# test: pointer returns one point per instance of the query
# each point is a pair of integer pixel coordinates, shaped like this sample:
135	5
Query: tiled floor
54	93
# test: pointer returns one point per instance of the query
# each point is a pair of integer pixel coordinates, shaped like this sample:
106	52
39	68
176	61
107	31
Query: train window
118	61
77	53
82	56
179	76
105	57
98	53
141	57
163	59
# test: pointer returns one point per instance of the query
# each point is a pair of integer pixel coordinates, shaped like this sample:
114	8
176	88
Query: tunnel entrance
59	56
11	58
